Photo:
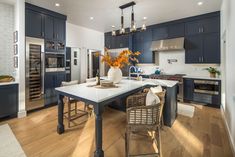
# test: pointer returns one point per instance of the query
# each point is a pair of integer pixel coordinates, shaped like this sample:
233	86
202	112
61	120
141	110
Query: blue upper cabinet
142	42
176	30
34	22
202	41
159	33
115	42
49	27
46	24
194	49
202	26
59	29
211	48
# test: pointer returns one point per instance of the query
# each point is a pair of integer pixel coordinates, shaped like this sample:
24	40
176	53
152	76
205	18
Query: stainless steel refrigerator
34	79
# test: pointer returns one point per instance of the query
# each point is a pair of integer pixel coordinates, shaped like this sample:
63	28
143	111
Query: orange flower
121	60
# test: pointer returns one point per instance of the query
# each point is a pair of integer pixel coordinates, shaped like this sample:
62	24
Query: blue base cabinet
52	80
9	100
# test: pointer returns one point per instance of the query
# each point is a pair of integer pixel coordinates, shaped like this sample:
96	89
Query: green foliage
213	70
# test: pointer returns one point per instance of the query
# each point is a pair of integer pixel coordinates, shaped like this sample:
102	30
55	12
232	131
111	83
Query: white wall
6	39
20	71
84	38
178	67
228	55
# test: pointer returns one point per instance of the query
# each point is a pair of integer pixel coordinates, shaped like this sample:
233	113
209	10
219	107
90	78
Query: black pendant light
132	29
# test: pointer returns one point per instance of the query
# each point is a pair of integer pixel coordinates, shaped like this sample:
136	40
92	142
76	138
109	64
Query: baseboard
232	144
22	114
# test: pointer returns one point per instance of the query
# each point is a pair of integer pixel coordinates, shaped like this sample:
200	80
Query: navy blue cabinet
176	30
49	27
159	32
34	24
202	41
115	42
59	29
202	49
201	26
188	89
211	48
52	80
46	24
194	49
142	42
9	100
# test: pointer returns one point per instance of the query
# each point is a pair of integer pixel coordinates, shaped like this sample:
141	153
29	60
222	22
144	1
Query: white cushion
69	83
152	98
156	90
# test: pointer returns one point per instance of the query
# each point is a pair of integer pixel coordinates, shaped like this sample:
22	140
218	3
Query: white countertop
7	83
98	95
201	77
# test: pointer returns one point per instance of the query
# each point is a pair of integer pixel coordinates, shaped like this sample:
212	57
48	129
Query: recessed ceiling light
199	3
57	4
144	18
91	18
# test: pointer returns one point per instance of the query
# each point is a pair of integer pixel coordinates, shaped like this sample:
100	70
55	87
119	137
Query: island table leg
98	131
60	126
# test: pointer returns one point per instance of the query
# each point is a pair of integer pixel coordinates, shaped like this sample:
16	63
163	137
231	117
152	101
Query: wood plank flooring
204	135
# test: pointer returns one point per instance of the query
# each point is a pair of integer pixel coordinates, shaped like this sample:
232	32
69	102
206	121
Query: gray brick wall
6	39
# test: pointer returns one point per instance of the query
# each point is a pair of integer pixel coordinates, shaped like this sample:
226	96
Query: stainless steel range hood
168	44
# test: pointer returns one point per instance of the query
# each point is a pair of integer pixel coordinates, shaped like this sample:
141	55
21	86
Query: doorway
93	62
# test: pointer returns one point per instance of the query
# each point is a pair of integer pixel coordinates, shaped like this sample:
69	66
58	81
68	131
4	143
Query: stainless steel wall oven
54	62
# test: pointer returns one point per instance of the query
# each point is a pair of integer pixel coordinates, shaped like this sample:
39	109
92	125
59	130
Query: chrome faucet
135	69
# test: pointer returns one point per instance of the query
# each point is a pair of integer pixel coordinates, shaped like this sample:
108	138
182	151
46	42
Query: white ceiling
107	13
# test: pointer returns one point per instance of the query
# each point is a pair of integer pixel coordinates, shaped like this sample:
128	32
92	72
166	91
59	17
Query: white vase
115	74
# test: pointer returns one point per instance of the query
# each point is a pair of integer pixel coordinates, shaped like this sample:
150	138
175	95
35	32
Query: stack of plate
106	83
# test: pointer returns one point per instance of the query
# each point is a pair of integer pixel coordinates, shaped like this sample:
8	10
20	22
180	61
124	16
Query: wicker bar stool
73	111
142	118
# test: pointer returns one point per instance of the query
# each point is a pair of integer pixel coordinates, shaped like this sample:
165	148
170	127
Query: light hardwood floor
204	135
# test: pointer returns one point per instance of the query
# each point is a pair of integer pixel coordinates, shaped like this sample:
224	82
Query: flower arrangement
124	58
213	71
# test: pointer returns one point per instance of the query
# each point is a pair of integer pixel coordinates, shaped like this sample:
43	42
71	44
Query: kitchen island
99	98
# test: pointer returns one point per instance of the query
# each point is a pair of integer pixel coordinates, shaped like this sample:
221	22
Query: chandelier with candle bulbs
132	29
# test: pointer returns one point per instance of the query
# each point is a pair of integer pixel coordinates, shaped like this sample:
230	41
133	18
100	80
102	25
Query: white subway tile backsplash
6	39
178	67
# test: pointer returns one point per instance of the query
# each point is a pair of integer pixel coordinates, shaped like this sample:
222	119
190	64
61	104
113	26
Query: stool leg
127	138
158	139
69	113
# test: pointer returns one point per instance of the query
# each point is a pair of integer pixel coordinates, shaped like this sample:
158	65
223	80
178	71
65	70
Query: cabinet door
193	27
138	46
108	40
9	100
49	80
59	29
34	24
193	49
188	89
49	27
147	53
124	41
211	25
211	48
60	78
159	33
176	30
